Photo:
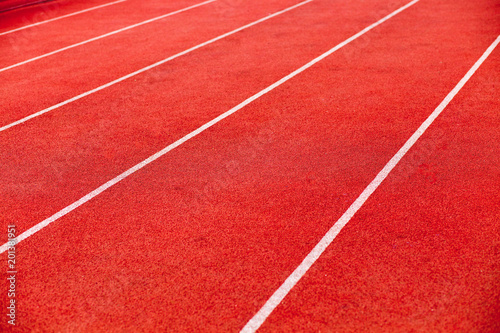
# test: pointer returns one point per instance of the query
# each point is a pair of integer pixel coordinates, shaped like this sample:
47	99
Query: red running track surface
201	238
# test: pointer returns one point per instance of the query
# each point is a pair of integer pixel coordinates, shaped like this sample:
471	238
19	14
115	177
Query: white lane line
39	113
60	17
104	36
259	318
177	143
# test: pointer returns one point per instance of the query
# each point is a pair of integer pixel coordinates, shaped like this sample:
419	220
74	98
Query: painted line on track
103	36
60	17
191	135
142	70
259	318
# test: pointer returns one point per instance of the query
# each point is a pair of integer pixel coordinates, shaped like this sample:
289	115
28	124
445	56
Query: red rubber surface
200	239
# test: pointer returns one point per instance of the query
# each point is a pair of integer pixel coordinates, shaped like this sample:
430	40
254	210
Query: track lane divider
142	70
31	231
259	318
104	36
60	17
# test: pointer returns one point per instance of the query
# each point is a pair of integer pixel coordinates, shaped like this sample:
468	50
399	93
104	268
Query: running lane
200	238
423	254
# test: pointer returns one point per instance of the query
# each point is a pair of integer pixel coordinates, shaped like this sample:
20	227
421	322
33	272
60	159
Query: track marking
103	36
61	17
259	318
39	113
194	133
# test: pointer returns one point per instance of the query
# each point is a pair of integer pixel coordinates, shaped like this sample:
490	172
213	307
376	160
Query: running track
207	236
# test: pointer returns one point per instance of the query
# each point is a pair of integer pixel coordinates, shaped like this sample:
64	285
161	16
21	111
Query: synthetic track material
201	238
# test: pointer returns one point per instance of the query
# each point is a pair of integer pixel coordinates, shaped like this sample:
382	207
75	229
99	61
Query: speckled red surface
199	239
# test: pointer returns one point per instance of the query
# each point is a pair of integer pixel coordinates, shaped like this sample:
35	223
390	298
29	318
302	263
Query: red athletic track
200	239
